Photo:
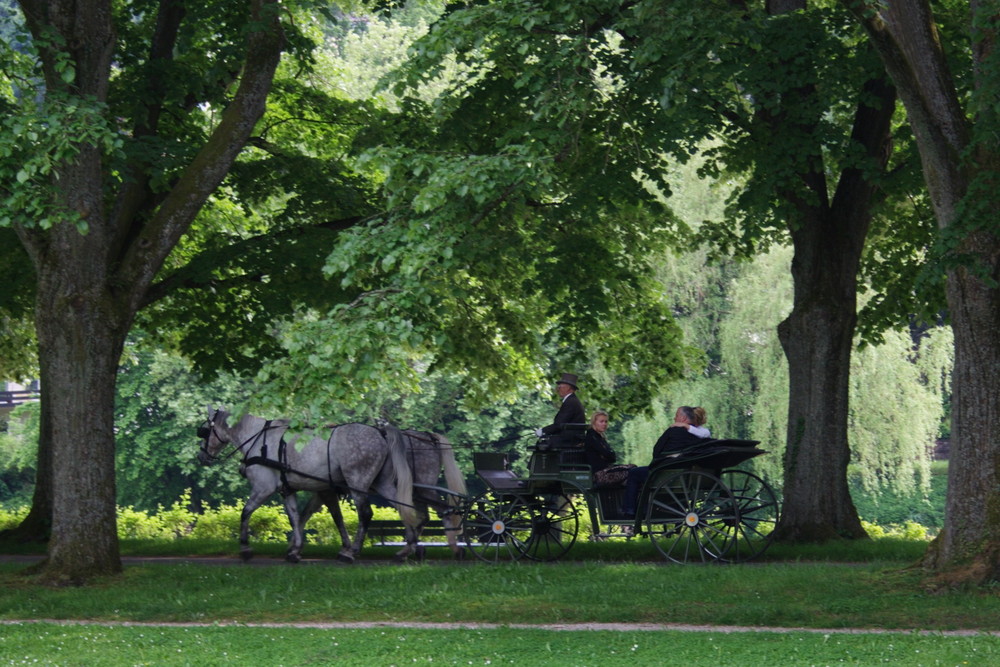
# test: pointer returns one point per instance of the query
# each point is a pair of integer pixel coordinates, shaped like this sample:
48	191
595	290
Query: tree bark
828	235
818	338
906	36
91	285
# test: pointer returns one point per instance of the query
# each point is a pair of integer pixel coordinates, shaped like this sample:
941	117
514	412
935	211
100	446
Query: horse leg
365	514
255	501
452	522
294	554
412	536
387	490
332	501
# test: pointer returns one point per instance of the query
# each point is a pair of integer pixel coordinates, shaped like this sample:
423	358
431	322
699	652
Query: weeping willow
897	393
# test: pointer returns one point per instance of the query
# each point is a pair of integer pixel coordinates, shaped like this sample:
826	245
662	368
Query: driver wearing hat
570	412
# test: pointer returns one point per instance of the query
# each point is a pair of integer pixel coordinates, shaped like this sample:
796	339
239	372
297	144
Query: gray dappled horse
429	455
354	458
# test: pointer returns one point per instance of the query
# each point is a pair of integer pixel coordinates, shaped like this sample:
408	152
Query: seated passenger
697	426
677	437
600	456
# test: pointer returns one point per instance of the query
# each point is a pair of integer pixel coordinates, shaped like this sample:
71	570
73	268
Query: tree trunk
818	337
91	285
80	338
968	546
955	156
828	235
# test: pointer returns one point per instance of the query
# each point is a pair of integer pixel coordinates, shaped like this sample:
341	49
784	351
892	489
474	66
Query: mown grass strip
809	595
52	644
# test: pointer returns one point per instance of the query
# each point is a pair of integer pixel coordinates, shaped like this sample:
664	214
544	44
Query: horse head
214	434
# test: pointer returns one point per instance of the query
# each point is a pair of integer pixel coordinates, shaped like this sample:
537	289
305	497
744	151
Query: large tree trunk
968	546
91	285
828	235
818	337
954	156
80	339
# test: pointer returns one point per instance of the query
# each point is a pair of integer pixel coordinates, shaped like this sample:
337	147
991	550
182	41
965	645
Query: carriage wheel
758	507
555	523
497	527
687	516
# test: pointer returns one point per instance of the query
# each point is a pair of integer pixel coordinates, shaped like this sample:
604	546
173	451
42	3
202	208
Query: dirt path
556	627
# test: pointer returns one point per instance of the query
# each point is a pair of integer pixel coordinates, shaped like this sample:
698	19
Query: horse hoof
421	553
460	554
246	555
293	558
346	558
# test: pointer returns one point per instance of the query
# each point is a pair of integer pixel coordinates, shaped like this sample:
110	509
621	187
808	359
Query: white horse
354	458
429	455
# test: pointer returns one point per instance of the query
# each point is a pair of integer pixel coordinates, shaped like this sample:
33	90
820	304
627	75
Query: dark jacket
598	451
570	412
673	439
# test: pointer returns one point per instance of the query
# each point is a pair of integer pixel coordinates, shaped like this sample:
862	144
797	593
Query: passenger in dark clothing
600	456
595	445
675	438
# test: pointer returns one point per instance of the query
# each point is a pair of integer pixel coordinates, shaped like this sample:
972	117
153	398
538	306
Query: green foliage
161	402
898	390
887	507
12	518
908	531
18	448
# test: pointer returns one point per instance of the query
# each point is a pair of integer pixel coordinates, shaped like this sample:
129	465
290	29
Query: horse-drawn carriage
695	504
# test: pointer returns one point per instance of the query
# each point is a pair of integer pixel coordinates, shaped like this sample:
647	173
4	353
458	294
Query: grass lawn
232	613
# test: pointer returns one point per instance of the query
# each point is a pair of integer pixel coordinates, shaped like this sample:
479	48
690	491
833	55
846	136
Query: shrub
12	518
178	520
136	524
908	530
268	524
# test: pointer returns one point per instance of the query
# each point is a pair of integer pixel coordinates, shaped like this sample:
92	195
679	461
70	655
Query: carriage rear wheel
688	514
758	508
555	523
497	527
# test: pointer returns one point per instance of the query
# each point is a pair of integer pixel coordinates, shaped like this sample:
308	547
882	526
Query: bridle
205	432
208	429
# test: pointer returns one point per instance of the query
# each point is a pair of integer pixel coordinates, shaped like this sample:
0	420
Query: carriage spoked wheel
497	527
758	515
555	523
688	515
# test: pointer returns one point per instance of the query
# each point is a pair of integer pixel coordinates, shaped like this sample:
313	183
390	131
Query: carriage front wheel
758	507
497	527
555	523
688	514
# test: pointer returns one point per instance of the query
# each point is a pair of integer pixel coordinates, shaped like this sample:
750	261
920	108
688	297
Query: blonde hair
696	416
598	413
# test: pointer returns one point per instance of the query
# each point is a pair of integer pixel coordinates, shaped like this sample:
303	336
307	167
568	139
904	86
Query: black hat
567	378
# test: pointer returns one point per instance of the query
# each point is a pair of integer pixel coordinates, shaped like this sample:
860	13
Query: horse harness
281	462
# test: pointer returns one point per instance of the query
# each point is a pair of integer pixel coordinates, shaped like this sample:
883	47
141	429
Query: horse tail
404	475
455	481
453	477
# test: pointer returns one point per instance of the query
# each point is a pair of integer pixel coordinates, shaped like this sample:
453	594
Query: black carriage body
695	498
